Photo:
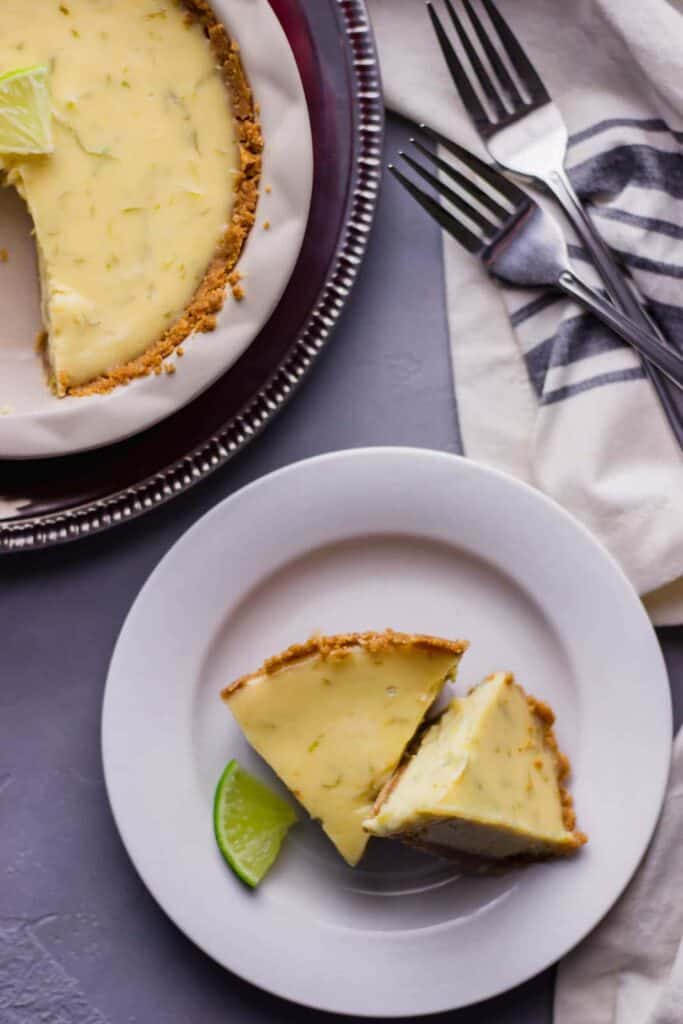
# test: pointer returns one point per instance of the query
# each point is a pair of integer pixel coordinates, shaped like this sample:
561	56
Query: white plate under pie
419	541
33	422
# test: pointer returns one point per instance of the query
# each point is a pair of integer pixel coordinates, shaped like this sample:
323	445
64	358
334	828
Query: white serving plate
424	542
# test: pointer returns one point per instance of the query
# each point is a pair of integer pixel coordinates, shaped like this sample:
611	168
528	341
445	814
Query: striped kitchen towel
543	390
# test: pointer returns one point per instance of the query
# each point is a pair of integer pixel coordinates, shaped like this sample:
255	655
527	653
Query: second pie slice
486	785
333	717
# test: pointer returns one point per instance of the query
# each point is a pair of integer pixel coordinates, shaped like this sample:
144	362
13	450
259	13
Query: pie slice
141	209
333	717
486	784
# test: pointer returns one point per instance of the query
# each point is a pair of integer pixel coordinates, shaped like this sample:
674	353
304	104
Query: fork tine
465	183
461	204
493	177
460	80
442	216
477	66
497	64
521	63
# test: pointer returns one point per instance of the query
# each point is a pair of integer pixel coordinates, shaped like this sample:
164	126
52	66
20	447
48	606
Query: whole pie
141	211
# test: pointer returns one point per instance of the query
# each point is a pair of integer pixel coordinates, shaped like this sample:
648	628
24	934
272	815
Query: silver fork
528	137
516	240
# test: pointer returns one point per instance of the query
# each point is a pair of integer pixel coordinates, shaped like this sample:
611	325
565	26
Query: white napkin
552	399
630	969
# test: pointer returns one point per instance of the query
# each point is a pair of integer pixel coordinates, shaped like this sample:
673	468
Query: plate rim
88	518
468	465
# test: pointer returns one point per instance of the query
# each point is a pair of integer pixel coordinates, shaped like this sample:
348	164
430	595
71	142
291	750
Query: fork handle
640	338
612	275
618	287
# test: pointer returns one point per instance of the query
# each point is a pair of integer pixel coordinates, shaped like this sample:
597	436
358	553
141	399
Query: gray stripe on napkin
646	124
631	259
615	377
577	337
577	252
537	305
636	220
670	318
614	169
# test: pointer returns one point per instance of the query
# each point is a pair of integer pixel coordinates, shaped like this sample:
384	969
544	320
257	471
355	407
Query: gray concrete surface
81	941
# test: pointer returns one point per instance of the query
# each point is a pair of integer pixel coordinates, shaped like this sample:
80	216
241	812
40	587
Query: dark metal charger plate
51	501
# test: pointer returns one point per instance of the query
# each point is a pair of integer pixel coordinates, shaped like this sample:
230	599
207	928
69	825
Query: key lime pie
485	785
333	717
143	201
341	720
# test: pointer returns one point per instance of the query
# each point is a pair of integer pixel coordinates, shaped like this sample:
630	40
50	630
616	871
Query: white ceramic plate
419	541
33	423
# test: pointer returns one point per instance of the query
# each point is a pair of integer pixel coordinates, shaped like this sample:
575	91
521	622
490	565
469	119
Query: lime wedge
250	822
25	111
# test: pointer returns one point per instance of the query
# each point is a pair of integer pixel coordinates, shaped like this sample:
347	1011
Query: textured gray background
81	941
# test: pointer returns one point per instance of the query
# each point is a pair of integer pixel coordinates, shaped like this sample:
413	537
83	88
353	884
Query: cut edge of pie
200	314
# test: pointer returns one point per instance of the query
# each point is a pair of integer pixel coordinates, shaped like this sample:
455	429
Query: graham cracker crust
340	645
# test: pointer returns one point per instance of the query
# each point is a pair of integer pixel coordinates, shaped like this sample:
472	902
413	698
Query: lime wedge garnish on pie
25	112
250	822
